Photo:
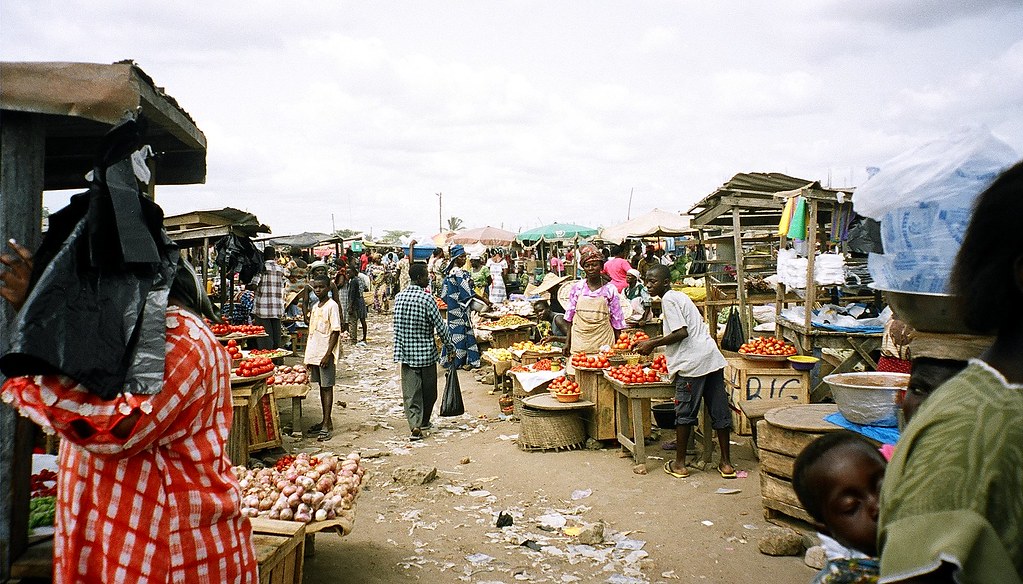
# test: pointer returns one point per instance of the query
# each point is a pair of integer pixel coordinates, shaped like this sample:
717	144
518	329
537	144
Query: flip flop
323	436
727	475
678	475
314	429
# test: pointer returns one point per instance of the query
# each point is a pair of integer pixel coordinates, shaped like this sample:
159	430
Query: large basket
519	393
550	430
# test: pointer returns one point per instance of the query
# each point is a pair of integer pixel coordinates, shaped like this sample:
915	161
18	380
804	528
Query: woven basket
550	430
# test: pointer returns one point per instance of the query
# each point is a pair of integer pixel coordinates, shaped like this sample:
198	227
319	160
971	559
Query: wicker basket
550	430
518	393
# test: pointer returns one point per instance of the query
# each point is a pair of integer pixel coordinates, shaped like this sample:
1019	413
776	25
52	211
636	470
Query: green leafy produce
41	511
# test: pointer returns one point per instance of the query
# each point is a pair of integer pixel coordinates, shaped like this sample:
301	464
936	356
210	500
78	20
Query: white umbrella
656	223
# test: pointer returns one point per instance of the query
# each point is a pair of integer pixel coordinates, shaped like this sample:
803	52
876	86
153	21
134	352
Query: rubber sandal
314	429
323	436
676	474
727	475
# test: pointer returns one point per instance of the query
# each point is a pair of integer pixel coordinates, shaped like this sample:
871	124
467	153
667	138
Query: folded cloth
883	434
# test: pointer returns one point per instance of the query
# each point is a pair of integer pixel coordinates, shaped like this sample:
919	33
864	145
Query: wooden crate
748	380
280	548
506	338
264	424
530	357
778	449
600	420
298	341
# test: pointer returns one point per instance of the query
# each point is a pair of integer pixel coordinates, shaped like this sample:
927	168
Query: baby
837	478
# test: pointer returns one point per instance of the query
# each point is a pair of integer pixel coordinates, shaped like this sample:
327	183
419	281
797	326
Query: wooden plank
782	441
277	527
783	514
776	464
777	489
22	154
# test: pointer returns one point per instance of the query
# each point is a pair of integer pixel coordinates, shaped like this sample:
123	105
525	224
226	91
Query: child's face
849	477
319	289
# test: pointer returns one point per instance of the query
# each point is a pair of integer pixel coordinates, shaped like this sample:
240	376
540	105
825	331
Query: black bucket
664	415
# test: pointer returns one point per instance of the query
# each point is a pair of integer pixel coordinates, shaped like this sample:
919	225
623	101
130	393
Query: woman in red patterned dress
145	492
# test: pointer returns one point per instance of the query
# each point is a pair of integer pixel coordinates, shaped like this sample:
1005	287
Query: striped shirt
159	504
416	317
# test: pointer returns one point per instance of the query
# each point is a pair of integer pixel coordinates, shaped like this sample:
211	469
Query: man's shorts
710	387
322	375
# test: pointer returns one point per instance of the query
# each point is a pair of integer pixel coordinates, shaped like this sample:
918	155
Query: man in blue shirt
416	320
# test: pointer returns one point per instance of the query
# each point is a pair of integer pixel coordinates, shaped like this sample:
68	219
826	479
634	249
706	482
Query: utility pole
628	214
440	212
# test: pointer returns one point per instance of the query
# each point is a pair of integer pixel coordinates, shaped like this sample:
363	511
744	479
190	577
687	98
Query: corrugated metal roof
754	194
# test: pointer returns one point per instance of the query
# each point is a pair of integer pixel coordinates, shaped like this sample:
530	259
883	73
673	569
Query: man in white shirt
698	366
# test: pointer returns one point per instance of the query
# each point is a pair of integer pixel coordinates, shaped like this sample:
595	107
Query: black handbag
451	404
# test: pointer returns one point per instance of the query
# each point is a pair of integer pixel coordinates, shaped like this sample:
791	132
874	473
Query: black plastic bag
96	309
733	337
699	265
451	404
239	254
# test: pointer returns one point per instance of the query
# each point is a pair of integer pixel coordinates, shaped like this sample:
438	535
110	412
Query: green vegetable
41	511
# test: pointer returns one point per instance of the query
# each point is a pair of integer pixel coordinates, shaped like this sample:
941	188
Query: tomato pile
40	483
542	365
221	330
633	374
254	366
598	362
767	346
660	364
234	350
627	341
563	386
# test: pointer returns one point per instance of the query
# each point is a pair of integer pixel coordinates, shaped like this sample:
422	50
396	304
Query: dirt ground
656	528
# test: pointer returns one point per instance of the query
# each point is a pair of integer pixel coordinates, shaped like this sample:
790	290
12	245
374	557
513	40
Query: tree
455	224
346	233
393	236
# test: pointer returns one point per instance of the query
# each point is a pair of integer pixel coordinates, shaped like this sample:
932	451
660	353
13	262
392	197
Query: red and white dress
159	504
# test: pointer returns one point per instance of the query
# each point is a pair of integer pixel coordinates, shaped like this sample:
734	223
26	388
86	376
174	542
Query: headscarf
456	252
589	252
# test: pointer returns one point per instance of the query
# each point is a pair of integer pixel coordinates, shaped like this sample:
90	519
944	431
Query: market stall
196	231
52	118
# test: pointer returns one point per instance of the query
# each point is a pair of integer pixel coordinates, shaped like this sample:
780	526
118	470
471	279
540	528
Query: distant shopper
616	267
698	366
457	293
323	352
269	299
497	266
416	321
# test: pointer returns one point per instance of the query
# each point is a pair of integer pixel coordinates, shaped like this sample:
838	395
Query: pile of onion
291	375
309	489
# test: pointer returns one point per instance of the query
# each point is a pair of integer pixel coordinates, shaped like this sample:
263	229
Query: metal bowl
927	312
868	397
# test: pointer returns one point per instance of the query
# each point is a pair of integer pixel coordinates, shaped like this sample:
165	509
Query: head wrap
589	252
635	272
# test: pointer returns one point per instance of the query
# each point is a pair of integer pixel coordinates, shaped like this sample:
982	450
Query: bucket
664	415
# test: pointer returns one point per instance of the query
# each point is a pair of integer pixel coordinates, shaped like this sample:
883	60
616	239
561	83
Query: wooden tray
235	380
803	417
772	358
283	353
645	384
546	401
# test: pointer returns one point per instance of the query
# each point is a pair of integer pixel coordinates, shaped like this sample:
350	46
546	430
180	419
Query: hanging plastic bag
699	265
451	404
96	310
733	337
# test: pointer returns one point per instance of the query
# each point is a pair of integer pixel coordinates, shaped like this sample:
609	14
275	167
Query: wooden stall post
22	149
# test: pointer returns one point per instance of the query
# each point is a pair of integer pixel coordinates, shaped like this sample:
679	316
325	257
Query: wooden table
600	423
249	430
297	393
502	381
630	401
808	342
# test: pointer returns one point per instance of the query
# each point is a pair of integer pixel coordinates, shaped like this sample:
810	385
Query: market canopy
656	223
557	232
199	225
486	235
78	102
755	196
301	240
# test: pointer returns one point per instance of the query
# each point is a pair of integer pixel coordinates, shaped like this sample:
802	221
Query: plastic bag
733	337
96	311
699	264
238	254
451	404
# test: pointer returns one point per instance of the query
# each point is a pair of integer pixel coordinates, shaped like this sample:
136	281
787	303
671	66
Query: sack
733	337
451	404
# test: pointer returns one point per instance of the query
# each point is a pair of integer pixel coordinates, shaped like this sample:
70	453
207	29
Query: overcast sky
525	113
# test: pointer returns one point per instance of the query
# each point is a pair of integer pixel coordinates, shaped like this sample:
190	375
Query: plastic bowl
566	398
868	398
664	415
803	362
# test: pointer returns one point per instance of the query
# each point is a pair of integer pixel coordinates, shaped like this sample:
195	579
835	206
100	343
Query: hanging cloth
786	216
797	227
